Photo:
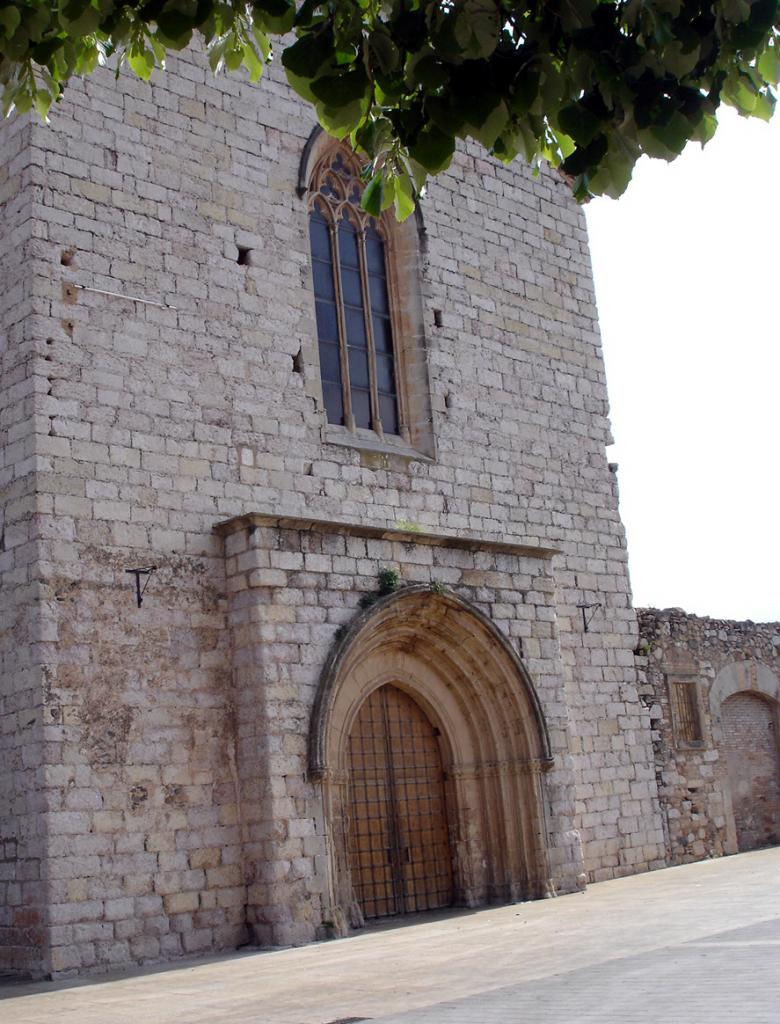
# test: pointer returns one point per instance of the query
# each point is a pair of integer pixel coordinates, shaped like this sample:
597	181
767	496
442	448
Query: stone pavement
698	944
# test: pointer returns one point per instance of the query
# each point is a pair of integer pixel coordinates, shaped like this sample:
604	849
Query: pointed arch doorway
398	841
444	664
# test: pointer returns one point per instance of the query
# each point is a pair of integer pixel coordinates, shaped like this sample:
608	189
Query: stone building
314	603
714	691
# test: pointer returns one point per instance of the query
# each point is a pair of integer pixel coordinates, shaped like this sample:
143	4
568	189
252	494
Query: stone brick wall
158	415
721	792
23	387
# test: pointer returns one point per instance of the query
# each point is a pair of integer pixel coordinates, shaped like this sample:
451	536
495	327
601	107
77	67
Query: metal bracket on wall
587	619
138	573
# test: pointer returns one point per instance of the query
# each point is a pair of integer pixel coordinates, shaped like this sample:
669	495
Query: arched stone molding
746	676
317	142
465	675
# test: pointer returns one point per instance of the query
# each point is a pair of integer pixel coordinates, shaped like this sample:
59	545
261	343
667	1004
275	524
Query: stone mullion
376	419
400	375
346	390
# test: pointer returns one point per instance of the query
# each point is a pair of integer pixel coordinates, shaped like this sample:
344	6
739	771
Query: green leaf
384	50
340	90
342	120
765	107
277	16
142	62
433	149
307	57
302	86
403	200
42	101
614	172
678	61
488	129
388	193
262	41
216	54
477	28
586	159
418	174
666	141
373	195
740	92
10	20
526	90
426	71
23	102
565	143
176	21
375	136
234	57
705	129
449	117
252	63
580	123
769	64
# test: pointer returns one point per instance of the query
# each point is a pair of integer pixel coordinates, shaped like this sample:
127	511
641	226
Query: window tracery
352	265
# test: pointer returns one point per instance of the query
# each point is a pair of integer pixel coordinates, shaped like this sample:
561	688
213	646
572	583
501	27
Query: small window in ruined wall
686	711
368	312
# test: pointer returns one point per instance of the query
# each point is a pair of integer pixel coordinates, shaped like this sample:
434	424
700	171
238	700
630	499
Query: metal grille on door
398	840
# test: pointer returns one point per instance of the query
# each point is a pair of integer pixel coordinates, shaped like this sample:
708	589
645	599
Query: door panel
399	840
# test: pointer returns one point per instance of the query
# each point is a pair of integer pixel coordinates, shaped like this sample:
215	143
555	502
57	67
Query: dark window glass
350	287
385	377
327	318
349	253
383	335
330	363
361	408
327	321
320	237
358	368
378	292
388	412
356	327
334	402
375	252
323	280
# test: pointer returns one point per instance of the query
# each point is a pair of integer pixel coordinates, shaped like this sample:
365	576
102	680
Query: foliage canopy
588	86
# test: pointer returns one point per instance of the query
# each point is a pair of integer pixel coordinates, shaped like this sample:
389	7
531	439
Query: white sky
687	276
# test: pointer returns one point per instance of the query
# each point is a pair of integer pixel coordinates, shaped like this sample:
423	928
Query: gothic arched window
353	288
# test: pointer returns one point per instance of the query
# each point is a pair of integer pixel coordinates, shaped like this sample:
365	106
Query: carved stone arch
316	142
462	671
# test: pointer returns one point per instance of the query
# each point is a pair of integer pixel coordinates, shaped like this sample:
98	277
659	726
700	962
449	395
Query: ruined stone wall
22	387
159	418
719	782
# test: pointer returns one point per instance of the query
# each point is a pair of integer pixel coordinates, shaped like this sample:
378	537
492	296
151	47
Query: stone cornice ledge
256	519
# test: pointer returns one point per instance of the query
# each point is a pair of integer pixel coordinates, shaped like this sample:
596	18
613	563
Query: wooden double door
399	848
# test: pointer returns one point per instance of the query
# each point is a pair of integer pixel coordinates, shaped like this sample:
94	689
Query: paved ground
693	945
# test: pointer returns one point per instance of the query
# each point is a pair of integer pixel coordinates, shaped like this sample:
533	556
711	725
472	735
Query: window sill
690	745
367	441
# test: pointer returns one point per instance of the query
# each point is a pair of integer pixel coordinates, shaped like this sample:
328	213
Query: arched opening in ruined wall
753	762
425	681
745	706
